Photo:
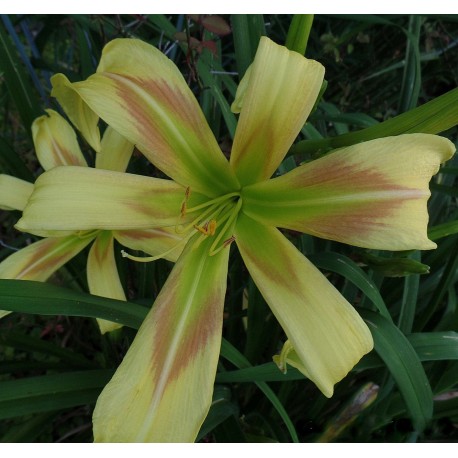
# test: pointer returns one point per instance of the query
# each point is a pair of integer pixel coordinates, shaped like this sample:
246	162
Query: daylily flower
371	195
56	145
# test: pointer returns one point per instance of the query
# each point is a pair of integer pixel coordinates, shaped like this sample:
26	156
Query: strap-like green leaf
344	266
229	352
17	81
298	33
51	392
45	299
405	367
433	117
247	30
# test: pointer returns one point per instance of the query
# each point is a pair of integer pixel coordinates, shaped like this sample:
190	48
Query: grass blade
45	299
405	367
17	81
298	33
433	117
235	357
46	393
247	30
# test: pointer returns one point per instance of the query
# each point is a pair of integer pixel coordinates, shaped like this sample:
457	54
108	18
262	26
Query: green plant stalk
298	33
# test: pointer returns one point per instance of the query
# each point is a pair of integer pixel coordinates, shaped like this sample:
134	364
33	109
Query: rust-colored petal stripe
142	95
162	390
371	195
328	334
281	90
83	198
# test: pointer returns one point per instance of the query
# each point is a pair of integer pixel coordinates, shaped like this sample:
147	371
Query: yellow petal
76	109
41	259
162	390
372	194
326	331
153	241
140	93
82	198
14	193
115	152
102	275
237	104
55	141
275	98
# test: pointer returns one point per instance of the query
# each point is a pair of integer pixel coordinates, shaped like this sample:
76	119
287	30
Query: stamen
213	202
208	228
230	216
196	222
124	254
184	204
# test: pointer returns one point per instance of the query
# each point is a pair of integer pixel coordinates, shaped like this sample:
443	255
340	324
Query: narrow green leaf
447	279
11	163
409	299
210	81
344	266
247	30
19	88
448	378
411	79
30	429
298	33
449	190
221	409
87	62
31	344
229	352
45	299
163	25
435	346
51	392
394	266
405	367
267	372
446	408
433	117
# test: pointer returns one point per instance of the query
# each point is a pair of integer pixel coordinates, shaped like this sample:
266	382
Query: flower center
214	218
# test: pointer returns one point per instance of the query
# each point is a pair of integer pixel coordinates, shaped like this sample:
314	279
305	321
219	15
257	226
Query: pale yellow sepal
275	98
372	194
163	388
55	142
82	198
115	152
77	110
102	275
14	193
326	332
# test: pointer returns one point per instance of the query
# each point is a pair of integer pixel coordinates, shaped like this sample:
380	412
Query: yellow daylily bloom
56	145
162	389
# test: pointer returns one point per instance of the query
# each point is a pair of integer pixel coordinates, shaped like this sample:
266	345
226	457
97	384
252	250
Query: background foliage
379	69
